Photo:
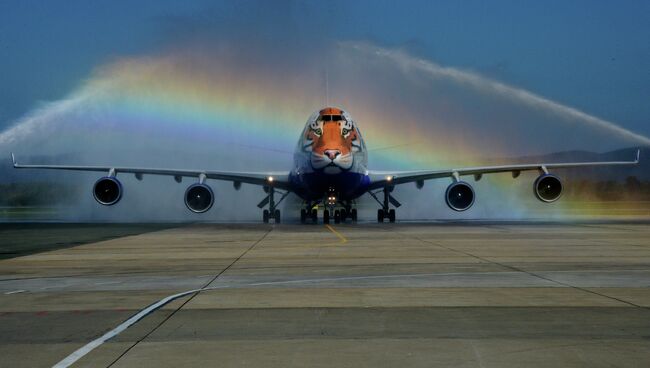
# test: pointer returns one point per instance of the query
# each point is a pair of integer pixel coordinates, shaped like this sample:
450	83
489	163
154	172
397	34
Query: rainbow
180	101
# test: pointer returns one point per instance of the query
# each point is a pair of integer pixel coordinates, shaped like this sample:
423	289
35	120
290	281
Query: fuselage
330	158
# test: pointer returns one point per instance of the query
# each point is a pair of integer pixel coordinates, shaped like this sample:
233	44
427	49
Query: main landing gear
385	212
272	213
308	213
381	215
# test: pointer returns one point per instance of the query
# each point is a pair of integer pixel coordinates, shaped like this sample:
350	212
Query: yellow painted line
343	239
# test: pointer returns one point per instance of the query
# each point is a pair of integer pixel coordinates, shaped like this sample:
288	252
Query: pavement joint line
433	274
339	235
524	271
609	242
127	273
194	294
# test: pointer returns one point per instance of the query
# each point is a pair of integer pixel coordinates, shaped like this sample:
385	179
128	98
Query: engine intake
548	188
199	198
459	196
107	191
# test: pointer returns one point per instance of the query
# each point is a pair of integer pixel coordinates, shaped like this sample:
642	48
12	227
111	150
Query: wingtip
638	155
13	159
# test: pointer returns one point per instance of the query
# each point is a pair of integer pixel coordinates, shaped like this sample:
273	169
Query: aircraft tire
326	217
391	215
265	216
380	215
303	216
337	217
353	215
276	216
344	214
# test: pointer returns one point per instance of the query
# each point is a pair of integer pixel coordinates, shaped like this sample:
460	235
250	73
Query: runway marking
15	292
81	352
193	294
108	283
477	355
343	238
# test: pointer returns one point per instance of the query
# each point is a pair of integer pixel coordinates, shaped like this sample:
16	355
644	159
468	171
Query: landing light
389	178
270	179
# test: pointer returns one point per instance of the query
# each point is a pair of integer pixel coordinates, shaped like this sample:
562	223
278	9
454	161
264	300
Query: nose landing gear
339	214
385	212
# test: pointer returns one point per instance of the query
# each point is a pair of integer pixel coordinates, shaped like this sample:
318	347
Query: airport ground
475	294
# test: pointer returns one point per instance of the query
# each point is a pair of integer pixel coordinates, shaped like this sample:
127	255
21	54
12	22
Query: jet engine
199	198
548	188
107	190
459	196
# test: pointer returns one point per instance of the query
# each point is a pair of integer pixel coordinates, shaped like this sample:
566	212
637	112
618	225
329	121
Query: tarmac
364	295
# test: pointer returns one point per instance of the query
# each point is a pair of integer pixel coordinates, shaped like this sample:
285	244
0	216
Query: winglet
638	155
13	159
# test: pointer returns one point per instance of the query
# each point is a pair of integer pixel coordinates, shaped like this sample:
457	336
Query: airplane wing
278	180
383	179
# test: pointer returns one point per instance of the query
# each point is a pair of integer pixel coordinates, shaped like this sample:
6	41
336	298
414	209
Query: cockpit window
331	118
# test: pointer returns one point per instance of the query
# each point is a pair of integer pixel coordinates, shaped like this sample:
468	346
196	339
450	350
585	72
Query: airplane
330	169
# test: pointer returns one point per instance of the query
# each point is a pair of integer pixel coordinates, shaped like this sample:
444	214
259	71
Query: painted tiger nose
332	153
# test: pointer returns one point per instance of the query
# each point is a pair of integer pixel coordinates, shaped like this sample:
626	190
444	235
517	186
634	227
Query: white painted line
15	292
51	287
108	283
352	278
79	353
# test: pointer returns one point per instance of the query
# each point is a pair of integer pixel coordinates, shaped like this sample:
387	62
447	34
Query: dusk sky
591	55
229	85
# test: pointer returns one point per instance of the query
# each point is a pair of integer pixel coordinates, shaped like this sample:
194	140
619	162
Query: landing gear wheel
303	216
326	217
380	215
344	214
265	216
391	215
353	215
337	216
314	216
276	216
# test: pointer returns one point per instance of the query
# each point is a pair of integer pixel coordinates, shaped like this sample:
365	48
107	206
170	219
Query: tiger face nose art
332	153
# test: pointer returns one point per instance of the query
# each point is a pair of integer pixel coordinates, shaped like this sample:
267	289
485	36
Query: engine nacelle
107	190
199	198
548	188
459	196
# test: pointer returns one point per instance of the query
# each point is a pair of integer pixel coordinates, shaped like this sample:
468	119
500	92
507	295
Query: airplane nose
332	153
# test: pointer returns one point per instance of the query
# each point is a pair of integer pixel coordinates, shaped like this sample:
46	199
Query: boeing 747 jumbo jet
330	169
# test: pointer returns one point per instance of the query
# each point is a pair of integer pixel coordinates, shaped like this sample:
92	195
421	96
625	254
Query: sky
592	55
228	85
